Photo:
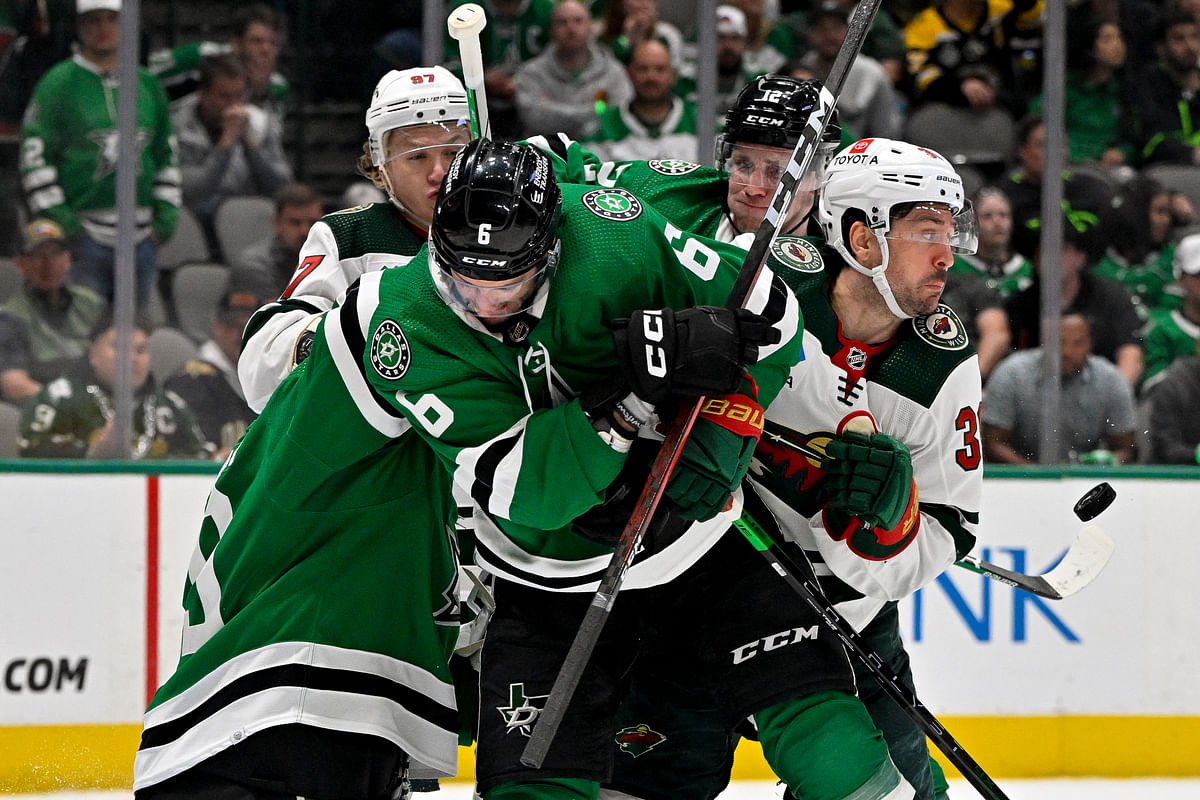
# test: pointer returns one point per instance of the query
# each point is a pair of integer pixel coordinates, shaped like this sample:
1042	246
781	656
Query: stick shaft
546	727
887	678
465	24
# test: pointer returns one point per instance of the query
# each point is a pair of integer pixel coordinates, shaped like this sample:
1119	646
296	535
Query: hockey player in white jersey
416	123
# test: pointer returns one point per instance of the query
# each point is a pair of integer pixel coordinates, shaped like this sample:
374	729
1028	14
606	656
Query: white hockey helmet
418	96
84	6
875	175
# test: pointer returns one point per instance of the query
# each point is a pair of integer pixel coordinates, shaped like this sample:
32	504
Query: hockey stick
887	678
465	24
1083	561
581	648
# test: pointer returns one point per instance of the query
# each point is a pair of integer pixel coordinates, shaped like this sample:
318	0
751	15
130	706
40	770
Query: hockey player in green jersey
321	604
531	352
417	121
753	150
694	754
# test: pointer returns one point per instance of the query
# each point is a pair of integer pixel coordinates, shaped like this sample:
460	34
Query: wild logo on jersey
942	329
788	464
797	253
637	740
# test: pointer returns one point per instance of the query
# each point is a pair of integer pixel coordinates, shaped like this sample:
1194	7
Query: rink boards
1102	683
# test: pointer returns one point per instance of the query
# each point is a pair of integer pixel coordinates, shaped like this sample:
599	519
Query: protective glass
962	236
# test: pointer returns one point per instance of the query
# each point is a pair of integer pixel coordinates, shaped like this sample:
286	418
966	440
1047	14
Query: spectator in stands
1174	333
209	383
981	308
573	81
1107	305
1096	414
268	265
257	29
768	46
655	122
1005	270
884	41
517	30
867	105
1168	96
45	326
966	52
627	23
733	72
1173	422
226	147
1140	227
72	416
69	150
1099	121
1023	185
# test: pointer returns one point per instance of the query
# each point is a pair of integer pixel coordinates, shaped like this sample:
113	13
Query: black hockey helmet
497	212
773	110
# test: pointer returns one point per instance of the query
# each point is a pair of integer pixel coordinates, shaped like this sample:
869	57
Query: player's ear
862	243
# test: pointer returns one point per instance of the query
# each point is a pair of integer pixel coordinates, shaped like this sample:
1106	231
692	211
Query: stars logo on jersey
390	353
637	740
672	166
797	253
521	713
942	329
614	204
107	141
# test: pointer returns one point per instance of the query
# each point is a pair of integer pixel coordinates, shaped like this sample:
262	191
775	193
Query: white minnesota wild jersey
341	247
922	387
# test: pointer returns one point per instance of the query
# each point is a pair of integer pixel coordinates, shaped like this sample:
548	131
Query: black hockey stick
887	678
581	648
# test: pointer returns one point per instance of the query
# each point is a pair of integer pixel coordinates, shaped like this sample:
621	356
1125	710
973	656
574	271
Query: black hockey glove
716	456
871	498
692	352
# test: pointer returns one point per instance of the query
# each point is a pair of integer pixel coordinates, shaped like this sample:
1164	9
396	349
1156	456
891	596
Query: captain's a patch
942	329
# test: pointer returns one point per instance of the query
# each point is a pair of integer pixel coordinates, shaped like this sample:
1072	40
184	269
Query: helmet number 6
485	233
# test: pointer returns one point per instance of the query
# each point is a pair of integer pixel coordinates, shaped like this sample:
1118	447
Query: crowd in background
621	76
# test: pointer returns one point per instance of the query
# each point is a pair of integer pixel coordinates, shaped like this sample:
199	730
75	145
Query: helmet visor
961	234
491	301
759	165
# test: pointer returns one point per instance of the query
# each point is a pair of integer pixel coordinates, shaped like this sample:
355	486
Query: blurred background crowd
257	119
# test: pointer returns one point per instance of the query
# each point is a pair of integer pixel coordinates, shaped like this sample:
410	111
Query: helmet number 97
485	233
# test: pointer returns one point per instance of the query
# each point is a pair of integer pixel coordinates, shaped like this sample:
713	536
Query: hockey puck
1092	504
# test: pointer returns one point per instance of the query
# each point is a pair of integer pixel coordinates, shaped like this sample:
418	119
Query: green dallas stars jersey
69	152
691	196
506	420
922	387
322	589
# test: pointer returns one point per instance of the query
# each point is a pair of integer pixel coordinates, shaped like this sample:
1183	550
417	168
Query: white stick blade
1084	560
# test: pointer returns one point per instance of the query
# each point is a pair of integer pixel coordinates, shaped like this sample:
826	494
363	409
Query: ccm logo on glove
653	328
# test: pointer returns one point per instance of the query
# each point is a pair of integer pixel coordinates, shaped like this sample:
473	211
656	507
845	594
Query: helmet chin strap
878	276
